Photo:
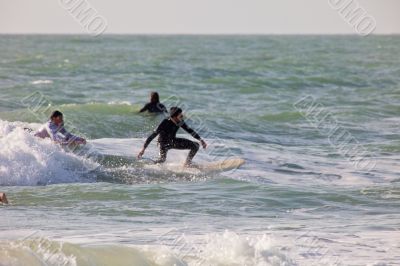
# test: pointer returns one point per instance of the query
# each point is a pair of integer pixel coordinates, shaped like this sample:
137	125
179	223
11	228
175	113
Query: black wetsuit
154	108
167	139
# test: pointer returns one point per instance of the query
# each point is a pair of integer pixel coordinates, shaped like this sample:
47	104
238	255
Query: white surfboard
218	166
223	165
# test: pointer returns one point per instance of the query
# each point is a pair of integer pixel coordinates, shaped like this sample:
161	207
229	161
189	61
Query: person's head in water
57	117
176	113
154	97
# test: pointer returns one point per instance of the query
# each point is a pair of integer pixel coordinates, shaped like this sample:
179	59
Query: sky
197	16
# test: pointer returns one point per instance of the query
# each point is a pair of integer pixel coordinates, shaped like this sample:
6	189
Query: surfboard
223	165
218	166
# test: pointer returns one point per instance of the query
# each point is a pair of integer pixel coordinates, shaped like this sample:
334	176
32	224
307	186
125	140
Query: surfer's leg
185	144
194	147
163	153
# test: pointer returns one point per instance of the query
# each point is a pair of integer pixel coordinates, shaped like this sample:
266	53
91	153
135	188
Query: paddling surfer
167	137
154	106
54	129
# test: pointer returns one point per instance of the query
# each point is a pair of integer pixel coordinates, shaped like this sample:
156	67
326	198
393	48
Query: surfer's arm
191	131
66	134
146	143
160	128
194	134
70	137
149	139
162	108
146	107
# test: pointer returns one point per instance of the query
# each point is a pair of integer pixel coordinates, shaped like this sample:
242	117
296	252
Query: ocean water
316	118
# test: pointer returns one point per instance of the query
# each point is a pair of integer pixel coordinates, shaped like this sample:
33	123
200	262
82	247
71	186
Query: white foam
119	103
37	82
230	248
28	160
220	249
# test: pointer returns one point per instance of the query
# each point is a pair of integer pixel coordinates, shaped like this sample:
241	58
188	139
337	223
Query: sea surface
317	119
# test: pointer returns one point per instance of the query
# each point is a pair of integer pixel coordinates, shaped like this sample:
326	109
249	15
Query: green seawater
300	199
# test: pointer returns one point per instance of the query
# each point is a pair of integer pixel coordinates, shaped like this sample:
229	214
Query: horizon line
202	34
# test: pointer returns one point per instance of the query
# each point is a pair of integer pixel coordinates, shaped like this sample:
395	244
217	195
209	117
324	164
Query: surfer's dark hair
175	111
56	114
154	97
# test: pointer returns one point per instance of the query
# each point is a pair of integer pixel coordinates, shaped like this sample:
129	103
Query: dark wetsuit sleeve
163	108
154	134
149	139
190	131
146	107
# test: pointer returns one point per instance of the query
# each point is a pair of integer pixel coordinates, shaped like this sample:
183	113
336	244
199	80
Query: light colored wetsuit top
56	133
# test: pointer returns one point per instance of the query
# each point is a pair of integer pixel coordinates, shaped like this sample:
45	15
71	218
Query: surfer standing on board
167	137
54	129
154	106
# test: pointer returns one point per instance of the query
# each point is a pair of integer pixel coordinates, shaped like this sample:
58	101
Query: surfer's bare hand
140	154
203	143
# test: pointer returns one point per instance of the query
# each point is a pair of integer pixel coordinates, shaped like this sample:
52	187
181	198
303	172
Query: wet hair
55	114
154	97
175	111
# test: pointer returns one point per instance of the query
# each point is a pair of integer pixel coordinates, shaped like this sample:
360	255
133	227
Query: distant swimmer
167	137
3	198
54	129
154	106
